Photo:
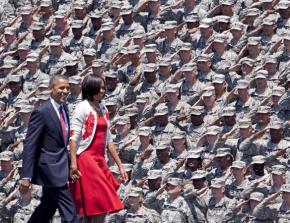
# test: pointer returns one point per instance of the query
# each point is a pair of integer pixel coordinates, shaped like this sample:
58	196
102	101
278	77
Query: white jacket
84	123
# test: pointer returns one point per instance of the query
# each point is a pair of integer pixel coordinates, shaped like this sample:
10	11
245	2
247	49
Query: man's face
154	184
217	192
173	190
111	83
162	154
60	91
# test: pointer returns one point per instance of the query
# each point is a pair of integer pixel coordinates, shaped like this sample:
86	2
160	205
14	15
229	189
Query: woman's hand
123	174
74	173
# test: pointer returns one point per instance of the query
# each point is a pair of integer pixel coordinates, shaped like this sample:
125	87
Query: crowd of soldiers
197	92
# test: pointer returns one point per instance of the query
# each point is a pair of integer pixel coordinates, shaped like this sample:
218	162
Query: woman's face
101	93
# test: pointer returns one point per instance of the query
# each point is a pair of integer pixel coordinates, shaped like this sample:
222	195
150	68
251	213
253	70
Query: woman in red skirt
93	186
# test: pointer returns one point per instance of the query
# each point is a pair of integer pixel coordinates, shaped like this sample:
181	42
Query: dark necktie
62	122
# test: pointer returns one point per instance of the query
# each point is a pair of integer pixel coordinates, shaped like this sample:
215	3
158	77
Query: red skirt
95	192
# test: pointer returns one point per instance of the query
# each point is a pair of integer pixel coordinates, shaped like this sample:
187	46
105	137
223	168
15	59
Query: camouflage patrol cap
138	33
209	91
71	62
97	63
132	111
268	21
285	188
203	57
271	59
9	31
25	10
164	62
60	14
188	67
123	120
79	4
228	111
19	164
150	48
32	57
192	18
278	169
154	174
174	181
117	4
259	159
247	61
242	84
192	154
212	130
262	74
43	95
185	47
111	102
170	24
14	78
75	79
256	196
96	14
55	40
198	174
238	164
252	12
26	109
133	49
161	109
45	3
37	26
6	156
111	74
172	88
254	40
244	123
217	183
197	110
218	79
227	2
222	152
43	83
77	24
149	67
206	23
179	135
278	91
89	52
9	64
284	4
220	38
264	109
24	46
136	192
223	19
142	98
237	26
276	125
126	9
145	131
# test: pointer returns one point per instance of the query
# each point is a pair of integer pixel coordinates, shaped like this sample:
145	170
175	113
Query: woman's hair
91	86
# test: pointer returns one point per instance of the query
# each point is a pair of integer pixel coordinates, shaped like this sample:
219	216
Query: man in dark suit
45	155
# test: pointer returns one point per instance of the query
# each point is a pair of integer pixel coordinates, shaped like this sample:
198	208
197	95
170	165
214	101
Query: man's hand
24	185
123	174
74	173
146	154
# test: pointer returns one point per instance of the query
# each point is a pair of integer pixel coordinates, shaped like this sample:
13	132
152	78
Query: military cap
97	63
285	188
123	120
259	159
220	38
71	62
244	123
172	88
32	57
217	183
111	74
37	26
9	63
116	4
24	46
221	152
174	181
165	62
218	79
128	166
228	111
19	164
111	101
96	14
192	18
203	57
150	48
79	5
153	0
89	52
206	23
133	49
264	109
193	154
237	26
6	156
108	26
286	34
179	135
278	91
266	1
150	67
262	74
154	174
75	79
43	83
189	67
271	59
126	9
227	2
145	131
209	91
45	3
212	130
247	61
9	31
198	174
25	10
135	192
254	40
278	169
132	111
138	33
276	125
14	78
142	98
242	84
26	109
170	24
55	40
238	164
185	47
20	103
44	95
163	145
223	19
256	196
161	109
268	22
252	12
197	110
284	4
60	14
77	24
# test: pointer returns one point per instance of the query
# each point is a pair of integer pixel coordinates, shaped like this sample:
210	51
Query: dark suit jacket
45	156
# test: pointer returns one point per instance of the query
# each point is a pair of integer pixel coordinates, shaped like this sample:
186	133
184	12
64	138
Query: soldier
60	27
8	174
26	20
238	40
38	41
95	24
205	73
